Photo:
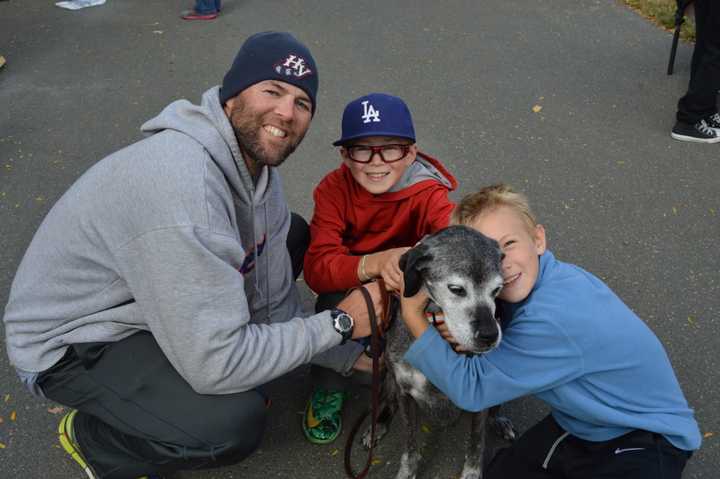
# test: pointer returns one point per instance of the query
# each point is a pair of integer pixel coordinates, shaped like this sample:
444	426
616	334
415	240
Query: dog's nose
485	332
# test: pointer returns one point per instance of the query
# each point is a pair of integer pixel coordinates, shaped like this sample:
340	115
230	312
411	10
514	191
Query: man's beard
247	126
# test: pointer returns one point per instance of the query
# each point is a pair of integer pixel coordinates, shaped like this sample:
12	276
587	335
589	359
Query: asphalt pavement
565	99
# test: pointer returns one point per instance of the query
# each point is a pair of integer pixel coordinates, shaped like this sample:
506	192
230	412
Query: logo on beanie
293	66
370	113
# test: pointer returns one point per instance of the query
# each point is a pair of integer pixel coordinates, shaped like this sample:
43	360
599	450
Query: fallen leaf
708	434
2	446
334	452
13	416
425	428
1	420
7	397
537	108
691	320
375	462
674	210
56	410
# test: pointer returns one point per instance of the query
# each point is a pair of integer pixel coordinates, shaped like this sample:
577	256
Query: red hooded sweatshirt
349	221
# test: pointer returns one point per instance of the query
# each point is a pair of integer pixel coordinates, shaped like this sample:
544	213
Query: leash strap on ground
375	404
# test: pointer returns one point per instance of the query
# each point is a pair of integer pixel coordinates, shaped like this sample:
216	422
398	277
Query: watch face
344	322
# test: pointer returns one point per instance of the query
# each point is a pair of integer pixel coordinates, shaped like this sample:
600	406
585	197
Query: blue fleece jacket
575	345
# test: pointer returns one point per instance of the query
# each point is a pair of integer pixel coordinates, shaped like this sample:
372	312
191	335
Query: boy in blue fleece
617	410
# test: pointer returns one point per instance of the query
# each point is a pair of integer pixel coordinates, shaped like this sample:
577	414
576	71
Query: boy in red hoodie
382	200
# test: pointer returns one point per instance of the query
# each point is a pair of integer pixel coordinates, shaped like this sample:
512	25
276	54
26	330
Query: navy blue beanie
271	56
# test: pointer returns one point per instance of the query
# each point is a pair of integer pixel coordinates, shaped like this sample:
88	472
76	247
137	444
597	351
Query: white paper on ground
78	4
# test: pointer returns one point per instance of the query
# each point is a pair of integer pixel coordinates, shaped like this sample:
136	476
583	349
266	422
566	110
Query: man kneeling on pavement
158	294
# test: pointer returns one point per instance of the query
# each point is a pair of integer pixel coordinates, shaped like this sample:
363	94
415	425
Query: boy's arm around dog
575	345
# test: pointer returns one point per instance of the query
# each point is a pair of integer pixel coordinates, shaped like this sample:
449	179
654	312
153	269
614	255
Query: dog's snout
487	336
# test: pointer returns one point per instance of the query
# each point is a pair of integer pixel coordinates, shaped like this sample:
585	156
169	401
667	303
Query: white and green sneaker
66	435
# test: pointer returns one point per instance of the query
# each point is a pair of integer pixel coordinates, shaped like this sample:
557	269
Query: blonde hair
490	198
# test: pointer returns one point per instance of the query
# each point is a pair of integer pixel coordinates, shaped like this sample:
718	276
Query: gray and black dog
460	268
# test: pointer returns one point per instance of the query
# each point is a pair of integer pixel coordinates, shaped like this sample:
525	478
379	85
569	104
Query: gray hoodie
169	235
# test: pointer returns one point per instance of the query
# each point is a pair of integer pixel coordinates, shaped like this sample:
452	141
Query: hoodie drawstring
267	268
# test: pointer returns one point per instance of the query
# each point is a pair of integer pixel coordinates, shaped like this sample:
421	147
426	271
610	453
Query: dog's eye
496	291
457	290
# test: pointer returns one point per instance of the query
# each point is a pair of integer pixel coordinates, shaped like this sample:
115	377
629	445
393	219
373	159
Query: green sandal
322	420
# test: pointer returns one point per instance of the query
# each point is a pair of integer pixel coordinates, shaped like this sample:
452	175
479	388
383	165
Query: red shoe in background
193	15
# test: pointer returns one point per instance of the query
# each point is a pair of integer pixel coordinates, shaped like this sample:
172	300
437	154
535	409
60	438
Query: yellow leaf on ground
375	462
536	108
7	397
708	434
425	428
2	446
13	416
334	452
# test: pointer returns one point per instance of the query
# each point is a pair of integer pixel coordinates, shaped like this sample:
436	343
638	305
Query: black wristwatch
343	323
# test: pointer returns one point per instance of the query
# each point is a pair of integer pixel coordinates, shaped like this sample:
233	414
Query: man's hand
354	304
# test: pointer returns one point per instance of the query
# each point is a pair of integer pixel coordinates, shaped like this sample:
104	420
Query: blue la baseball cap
376	114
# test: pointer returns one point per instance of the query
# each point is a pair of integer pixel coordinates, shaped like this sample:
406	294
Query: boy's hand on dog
386	264
390	270
354	304
413	314
413	310
445	333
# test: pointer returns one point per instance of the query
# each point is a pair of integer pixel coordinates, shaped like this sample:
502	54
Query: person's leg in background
697	115
137	415
203	10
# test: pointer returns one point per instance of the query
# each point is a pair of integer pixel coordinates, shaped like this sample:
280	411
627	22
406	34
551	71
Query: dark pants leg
546	452
137	415
207	6
525	457
297	242
700	101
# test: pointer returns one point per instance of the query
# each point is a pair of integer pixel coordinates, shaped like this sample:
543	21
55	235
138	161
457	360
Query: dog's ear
411	264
